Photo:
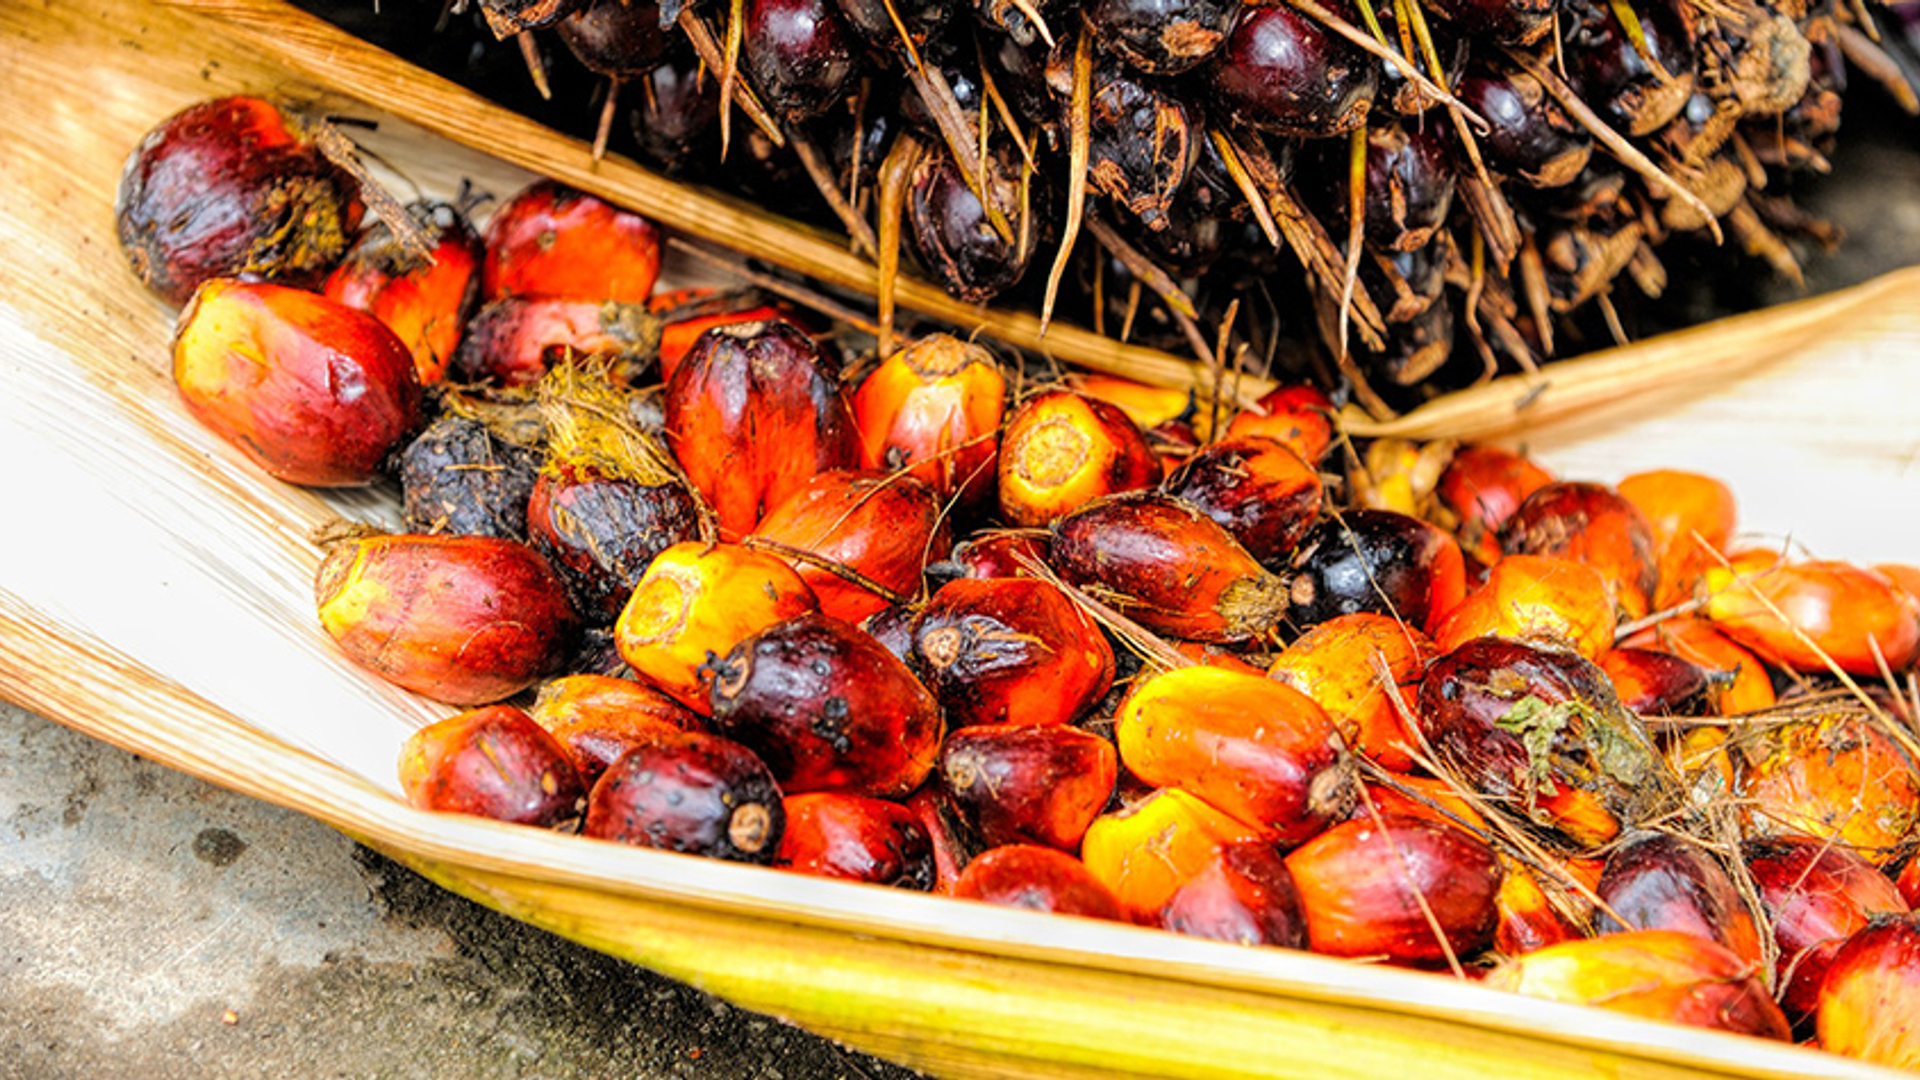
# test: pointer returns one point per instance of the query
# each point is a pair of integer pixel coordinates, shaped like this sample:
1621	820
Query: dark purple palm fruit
1529	136
1162	37
952	236
1283	73
676	116
799	53
1610	72
1398	95
619	39
873	22
962	74
1020	74
1409	185
1506	22
1144	139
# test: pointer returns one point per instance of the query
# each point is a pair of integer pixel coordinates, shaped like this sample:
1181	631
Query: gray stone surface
155	926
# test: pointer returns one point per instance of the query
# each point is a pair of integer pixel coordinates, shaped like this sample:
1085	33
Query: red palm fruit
602	530
493	762
1362	884
1257	749
1038	879
1144	852
1655	881
1529	917
1375	560
1591	524
232	187
1061	450
466	620
1009	651
692	792
800	54
1027	785
1699	641
423	301
1256	489
1419	796
1169	567
596	718
1481	488
1296	417
1837	776
828	708
753	412
550	240
1534	597
935	408
312	391
1203	652
1539	730
1659	974
998	554
1284	73
1353	666
1692	518
1817	894
950	853
697	601
856	838
1845	613
515	340
1244	895
678	330
1870	1001
1909	883
884	529
1654	683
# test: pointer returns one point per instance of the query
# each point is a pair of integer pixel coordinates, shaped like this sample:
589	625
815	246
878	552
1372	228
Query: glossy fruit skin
1594	525
1144	851
1256	489
596	718
1408	185
691	792
697	601
550	240
753	412
1536	598
1296	417
1480	702
885	528
1026	785
312	391
998	554
1608	68
799	53
230	187
1909	883
1656	881
603	531
828	708
1871	995
1163	563
1250	746
1692	518
514	340
683	323
1060	450
1482	487
1335	664
1529	918
855	838
493	762
423	301
1531	137
458	477
1358	883
1816	895
1834	776
616	38
935	407
1654	683
466	620
1701	643
1379	561
952	235
1283	73
1849	612
1659	974
1009	651
1038	879
1245	896
1144	140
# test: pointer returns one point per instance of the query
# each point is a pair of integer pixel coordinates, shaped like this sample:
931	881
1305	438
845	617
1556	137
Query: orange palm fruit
1816	896
1656	881
1297	417
1400	475
1534	597
1660	974
1166	565
1256	489
596	718
1870	1000
1061	450
1837	776
698	601
1419	796
1529	917
310	390
516	340
1692	518
1244	895
1655	683
1026	785
1144	852
1481	488
935	408
1903	575
1147	406
950	851
466	620
1845	613
1353	666
1038	879
1375	560
685	314
1253	747
550	240
423	301
855	838
1010	651
884	529
492	762
1699	641
1206	652
1363	882
752	413
1594	525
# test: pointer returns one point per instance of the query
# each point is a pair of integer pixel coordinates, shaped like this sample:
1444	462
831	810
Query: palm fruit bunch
1403	197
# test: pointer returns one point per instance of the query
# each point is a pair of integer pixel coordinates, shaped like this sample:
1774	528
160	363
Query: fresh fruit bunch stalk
1432	705
1422	193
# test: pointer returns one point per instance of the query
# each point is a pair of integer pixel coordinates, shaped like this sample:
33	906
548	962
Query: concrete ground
155	926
